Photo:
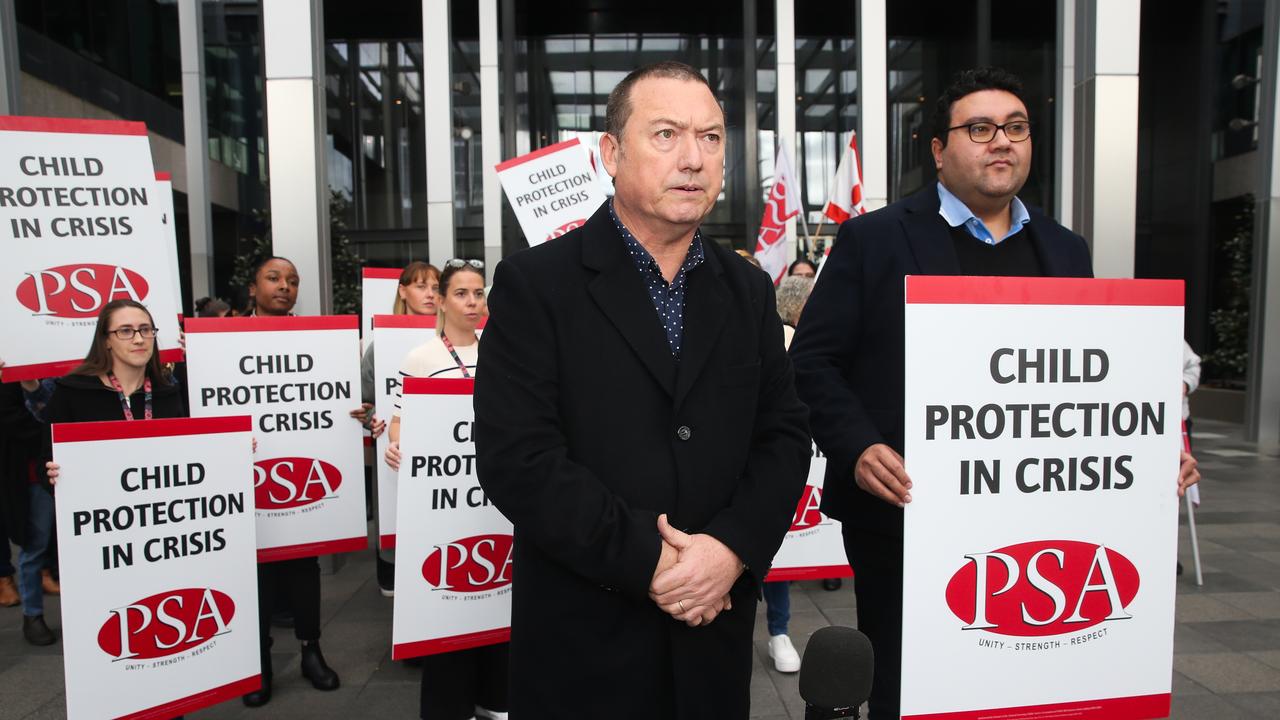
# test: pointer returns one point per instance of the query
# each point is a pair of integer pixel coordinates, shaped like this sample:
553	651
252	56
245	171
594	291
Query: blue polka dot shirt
668	298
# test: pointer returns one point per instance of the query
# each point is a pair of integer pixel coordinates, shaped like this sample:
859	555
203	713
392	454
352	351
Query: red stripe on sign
1139	707
962	290
328	547
404	321
815	572
164	176
38	371
272	324
173	355
540	152
404	651
438	386
387	542
199	700
25	123
164	427
381	273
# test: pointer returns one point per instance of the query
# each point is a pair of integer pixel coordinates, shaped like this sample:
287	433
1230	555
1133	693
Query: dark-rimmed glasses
984	132
128	331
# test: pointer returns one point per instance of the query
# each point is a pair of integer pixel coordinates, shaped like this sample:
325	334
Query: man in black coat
636	420
848	348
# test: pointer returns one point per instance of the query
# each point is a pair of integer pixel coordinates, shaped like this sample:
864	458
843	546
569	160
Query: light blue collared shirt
956	213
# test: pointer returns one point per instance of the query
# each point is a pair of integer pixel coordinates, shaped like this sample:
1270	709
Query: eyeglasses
985	132
459	262
128	331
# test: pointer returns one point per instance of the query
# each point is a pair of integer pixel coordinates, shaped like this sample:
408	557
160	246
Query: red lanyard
461	365
124	399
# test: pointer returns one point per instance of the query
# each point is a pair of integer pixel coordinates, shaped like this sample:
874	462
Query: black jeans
292	585
877	584
453	684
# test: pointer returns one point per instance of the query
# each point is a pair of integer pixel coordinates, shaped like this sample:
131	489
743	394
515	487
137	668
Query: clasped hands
694	573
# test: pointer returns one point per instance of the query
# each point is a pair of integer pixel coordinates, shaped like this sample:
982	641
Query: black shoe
831	584
1179	567
262	696
386	578
315	669
36	632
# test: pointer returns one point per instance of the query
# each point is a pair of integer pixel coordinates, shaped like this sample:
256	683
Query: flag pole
808	241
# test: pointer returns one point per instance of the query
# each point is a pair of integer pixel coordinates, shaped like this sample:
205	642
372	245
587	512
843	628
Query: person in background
802	268
416	294
211	307
464	683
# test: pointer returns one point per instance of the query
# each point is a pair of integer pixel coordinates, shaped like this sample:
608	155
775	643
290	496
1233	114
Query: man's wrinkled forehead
653	104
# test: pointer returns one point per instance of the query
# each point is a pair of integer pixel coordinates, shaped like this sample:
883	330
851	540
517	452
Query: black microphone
835	674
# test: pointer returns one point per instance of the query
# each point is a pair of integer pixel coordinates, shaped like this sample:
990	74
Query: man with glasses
848	352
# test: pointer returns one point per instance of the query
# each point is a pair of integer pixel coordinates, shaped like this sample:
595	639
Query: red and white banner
813	548
782	204
378	291
299	378
846	188
79	203
453	549
394	337
1042	441
156	550
552	190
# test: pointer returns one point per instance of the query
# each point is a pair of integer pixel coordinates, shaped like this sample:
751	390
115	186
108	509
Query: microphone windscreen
837	668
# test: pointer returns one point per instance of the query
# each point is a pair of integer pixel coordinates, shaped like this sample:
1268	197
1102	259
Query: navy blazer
587	428
848	348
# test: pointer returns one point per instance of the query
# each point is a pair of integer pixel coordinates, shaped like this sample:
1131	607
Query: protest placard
552	190
813	548
378	288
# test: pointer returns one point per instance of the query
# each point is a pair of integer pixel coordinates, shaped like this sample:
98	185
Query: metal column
195	133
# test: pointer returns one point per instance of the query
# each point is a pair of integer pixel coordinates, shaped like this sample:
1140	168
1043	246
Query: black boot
831	584
36	632
261	697
315	669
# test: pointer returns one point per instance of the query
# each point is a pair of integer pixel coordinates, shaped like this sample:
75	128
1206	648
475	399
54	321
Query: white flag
846	189
782	204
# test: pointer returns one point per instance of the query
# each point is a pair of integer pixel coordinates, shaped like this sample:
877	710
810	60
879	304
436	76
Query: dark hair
967	82
413	271
618	109
791	270
98	361
262	261
211	307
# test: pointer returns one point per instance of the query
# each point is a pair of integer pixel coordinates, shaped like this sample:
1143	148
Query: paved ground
1227	641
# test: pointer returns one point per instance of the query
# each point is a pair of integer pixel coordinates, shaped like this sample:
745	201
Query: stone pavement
1227	640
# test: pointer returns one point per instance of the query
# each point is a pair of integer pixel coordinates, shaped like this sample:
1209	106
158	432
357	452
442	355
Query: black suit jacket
587	428
848	348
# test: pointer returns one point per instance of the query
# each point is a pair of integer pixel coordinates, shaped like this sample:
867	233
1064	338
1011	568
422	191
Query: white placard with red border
813	548
453	550
156	550
395	336
299	378
1042	441
552	190
377	297
78	201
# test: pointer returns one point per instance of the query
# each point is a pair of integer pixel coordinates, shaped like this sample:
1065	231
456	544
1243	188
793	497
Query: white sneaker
785	657
488	714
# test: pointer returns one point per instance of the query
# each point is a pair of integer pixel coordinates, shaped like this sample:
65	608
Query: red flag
846	189
782	204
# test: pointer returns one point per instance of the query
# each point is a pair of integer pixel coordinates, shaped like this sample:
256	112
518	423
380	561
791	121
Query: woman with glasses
416	294
466	683
121	378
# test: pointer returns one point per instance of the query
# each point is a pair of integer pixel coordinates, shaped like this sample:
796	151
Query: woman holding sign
466	683
287	584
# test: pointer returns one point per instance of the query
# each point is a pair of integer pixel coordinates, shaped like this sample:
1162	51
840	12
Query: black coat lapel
1053	260
706	307
620	293
928	234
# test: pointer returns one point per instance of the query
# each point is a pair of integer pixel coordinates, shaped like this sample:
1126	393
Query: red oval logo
1043	587
808	515
571	225
289	482
166	623
79	291
472	564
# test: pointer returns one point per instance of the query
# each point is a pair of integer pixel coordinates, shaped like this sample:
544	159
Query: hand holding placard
879	471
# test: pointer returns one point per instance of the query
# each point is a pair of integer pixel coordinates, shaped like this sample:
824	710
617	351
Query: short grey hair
618	109
792	294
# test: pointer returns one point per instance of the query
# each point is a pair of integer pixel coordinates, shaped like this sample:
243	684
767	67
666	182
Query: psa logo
290	482
1044	587
807	515
469	565
571	225
166	623
79	291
